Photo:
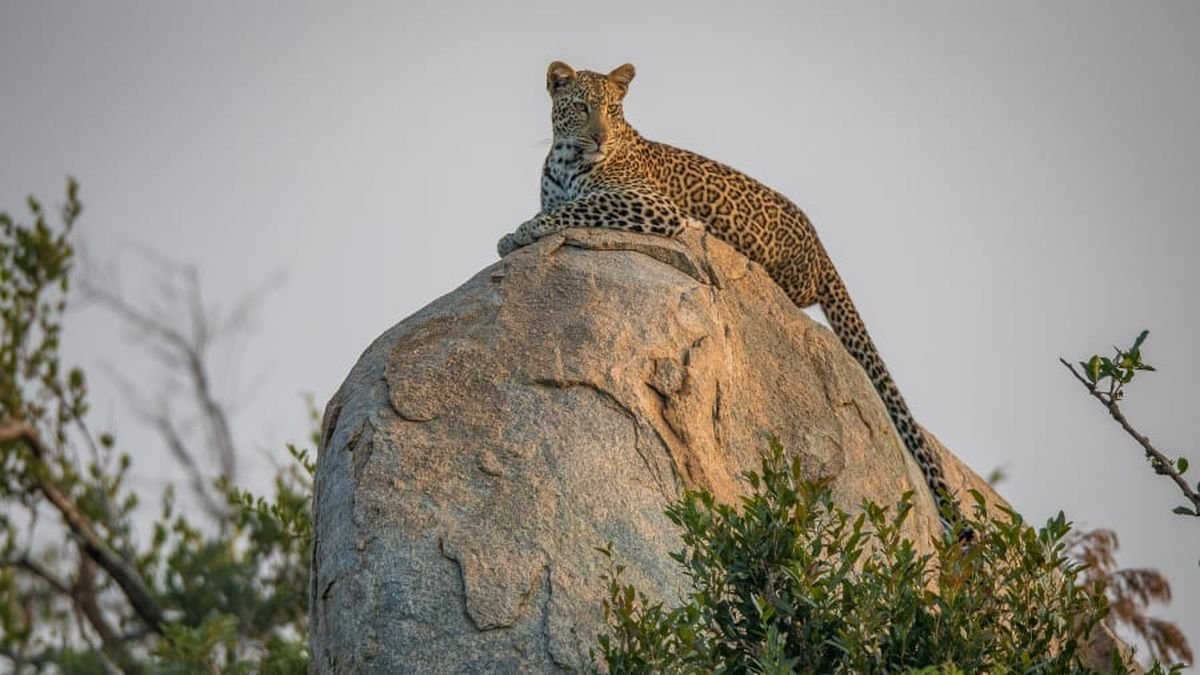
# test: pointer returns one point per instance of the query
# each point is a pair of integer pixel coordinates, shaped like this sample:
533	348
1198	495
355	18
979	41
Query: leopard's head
587	106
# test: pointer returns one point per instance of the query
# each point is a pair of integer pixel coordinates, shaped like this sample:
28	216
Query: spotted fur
601	173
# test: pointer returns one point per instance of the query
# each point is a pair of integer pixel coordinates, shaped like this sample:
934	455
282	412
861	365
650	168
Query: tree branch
82	595
1162	464
85	599
125	576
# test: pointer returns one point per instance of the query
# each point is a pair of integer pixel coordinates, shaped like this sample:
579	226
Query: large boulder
482	448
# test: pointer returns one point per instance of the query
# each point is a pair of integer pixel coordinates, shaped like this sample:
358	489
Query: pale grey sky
999	184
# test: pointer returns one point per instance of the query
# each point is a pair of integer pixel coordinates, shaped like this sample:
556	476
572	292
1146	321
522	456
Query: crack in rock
664	250
637	422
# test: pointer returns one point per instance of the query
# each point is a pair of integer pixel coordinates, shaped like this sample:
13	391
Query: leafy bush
790	582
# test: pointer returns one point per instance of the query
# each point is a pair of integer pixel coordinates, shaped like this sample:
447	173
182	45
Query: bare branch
85	599
220	434
179	449
1161	463
239	316
162	421
184	350
34	568
136	318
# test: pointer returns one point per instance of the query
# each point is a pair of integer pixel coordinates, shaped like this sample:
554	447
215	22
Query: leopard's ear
557	75
622	76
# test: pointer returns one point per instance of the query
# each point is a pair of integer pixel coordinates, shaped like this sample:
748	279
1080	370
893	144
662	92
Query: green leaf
1181	464
1140	339
1183	511
1092	368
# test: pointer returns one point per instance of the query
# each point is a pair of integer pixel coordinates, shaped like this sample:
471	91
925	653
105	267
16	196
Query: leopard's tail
849	327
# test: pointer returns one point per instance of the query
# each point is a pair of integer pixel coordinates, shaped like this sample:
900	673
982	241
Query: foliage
1118	371
789	582
82	592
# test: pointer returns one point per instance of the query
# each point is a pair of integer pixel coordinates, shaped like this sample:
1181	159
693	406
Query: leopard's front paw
509	243
529	231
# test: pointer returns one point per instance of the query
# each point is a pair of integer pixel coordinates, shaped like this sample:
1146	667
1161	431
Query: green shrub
790	582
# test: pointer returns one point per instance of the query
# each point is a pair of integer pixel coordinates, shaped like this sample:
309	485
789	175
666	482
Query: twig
178	448
1161	463
32	567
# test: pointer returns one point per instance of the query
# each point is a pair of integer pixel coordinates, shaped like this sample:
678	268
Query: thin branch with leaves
1105	379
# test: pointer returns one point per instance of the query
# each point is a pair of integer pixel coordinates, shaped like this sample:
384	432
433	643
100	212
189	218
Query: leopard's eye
582	107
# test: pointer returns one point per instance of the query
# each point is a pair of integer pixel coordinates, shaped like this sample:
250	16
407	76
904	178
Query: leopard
600	172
